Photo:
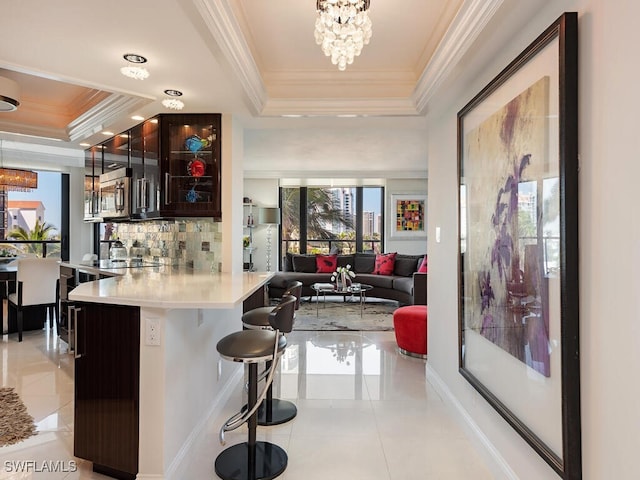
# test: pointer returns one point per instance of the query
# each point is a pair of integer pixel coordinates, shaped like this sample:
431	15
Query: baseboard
214	410
496	462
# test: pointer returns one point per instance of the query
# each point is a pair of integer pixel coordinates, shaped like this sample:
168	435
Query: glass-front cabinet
174	163
190	165
115	153
145	170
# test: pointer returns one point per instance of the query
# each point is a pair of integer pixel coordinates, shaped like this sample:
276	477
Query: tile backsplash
193	243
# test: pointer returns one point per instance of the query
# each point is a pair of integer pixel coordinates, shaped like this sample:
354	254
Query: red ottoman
410	325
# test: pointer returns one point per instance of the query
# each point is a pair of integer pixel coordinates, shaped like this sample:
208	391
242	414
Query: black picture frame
518	232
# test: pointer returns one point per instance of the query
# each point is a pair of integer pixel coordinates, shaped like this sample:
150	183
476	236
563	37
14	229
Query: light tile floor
364	412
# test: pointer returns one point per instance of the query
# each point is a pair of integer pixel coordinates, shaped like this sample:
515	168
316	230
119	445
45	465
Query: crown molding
467	25
104	113
339	106
44	132
19	154
326	174
223	26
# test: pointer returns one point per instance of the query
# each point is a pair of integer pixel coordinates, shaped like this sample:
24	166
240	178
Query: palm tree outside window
332	220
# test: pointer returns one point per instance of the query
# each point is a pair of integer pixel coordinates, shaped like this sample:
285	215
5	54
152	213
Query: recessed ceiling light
137	118
134	58
107	132
133	71
84	144
173	93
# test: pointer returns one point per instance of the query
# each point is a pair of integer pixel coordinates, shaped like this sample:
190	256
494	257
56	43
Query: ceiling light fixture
9	95
173	103
343	27
16	179
134	71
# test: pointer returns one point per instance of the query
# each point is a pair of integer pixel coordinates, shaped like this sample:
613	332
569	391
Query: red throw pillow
423	265
384	264
326	263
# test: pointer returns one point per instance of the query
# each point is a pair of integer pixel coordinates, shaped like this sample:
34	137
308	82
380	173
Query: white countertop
150	287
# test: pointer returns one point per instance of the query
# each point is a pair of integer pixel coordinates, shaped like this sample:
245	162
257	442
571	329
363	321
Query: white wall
609	232
409	246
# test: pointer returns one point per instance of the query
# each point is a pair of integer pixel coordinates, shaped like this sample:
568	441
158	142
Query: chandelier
134	71
173	103
16	179
343	27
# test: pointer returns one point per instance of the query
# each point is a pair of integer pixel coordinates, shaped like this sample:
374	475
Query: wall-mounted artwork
408	215
517	154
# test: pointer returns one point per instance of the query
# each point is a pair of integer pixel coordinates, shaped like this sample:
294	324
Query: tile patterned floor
364	412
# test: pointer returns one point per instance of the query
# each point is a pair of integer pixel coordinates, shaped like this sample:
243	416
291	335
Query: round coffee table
354	290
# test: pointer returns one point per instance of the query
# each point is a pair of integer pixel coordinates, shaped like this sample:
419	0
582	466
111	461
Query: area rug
336	314
15	423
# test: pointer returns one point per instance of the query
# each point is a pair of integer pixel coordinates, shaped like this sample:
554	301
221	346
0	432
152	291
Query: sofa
404	284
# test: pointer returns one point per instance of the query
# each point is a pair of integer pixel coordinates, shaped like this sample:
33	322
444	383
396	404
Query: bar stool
253	460
272	411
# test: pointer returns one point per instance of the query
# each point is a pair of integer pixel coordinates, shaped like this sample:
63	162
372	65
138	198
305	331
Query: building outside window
332	220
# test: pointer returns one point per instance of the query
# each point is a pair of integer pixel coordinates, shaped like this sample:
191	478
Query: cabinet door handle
138	198
144	192
167	194
75	341
71	329
94	203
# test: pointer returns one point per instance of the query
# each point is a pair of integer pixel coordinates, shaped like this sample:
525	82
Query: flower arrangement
342	276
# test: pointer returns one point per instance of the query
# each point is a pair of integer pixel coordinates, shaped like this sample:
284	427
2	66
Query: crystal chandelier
134	71
173	103
343	27
16	179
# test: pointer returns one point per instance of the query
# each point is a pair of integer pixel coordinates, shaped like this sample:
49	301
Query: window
332	220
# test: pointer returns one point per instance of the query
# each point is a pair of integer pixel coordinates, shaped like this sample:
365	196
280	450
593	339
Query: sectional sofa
404	284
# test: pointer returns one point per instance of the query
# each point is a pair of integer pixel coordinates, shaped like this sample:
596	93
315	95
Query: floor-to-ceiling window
36	217
327	219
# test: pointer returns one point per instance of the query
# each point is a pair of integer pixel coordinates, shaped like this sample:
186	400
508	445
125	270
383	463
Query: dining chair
37	285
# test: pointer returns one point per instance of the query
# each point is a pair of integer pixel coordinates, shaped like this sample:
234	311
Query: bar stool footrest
282	411
234	462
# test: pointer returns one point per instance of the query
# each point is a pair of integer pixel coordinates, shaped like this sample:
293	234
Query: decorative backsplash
193	243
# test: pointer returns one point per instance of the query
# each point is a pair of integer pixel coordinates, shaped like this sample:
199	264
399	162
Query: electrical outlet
152	331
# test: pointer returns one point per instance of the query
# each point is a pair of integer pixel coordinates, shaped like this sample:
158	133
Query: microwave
115	194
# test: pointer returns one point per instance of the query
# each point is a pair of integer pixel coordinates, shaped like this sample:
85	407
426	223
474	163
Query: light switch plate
437	234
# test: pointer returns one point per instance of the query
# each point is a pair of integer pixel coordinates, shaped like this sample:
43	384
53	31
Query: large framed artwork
408	215
518	280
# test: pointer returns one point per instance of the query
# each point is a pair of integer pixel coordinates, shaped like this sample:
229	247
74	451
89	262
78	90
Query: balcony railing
40	248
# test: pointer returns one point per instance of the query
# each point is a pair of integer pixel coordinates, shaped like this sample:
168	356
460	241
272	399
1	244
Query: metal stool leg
274	411
251	460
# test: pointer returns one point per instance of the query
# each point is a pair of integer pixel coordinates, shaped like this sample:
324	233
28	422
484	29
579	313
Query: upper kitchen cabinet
145	167
92	171
115	152
190	165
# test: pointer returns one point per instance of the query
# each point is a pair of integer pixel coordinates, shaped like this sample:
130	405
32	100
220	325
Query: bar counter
178	378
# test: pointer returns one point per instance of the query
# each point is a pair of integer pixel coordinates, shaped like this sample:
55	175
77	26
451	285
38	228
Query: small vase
344	279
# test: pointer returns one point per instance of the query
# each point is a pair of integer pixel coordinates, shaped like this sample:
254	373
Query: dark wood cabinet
115	152
190	165
175	166
145	168
107	373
